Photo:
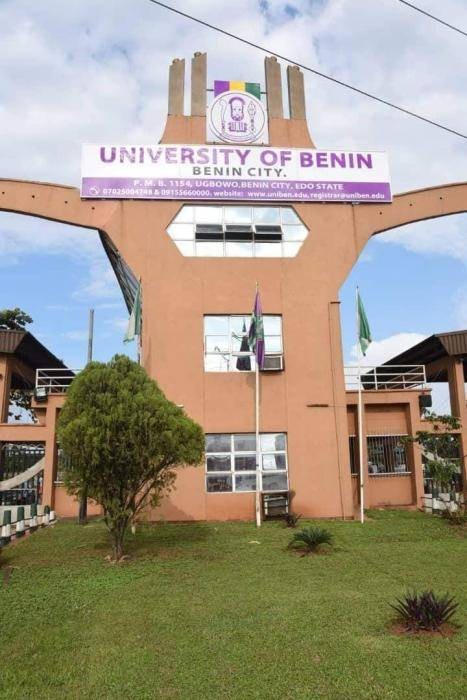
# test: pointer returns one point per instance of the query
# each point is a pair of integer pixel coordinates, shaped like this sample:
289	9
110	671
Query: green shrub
311	538
425	611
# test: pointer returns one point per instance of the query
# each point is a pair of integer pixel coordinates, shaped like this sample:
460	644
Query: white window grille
231	462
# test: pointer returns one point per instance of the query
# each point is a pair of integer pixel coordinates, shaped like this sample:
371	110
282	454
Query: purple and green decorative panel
221	86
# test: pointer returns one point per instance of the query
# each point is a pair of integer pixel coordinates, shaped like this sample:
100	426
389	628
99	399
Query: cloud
120	324
78	336
383	350
99	283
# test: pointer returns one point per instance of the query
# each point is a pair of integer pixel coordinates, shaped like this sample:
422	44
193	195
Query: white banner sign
225	172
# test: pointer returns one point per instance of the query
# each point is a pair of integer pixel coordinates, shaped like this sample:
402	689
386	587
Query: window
237	232
231	462
387	454
225	342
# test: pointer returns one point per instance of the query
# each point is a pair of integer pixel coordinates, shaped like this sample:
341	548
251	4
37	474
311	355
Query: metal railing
54	381
384	377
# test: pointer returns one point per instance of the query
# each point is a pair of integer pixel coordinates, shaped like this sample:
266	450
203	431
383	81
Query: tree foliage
124	440
14	319
440	447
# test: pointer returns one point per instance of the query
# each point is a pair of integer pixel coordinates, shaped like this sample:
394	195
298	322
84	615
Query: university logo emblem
237	114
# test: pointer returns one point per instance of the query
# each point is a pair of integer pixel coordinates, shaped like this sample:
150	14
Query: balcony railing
53	381
385	377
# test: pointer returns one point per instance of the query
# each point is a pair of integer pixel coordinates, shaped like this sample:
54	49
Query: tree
16	320
124	441
440	448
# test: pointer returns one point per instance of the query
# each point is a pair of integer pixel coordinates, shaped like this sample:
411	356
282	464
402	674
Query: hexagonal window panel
237	231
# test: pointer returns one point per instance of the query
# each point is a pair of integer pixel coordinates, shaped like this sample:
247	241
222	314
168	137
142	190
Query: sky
98	72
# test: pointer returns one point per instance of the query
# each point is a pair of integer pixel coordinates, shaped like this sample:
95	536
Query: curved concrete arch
56	203
409	207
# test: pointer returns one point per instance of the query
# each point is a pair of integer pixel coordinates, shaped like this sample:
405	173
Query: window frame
232	354
233	473
224	245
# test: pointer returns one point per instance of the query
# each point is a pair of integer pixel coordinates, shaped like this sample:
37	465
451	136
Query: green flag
364	333
134	323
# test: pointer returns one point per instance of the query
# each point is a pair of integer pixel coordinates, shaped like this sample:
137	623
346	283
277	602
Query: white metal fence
53	381
395	377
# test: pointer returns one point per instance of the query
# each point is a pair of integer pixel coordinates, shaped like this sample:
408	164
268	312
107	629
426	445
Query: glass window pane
209	250
216	363
291	249
273	462
218	442
237	215
289	216
272	325
215	463
208	215
218	483
245	443
266	215
181	232
272	442
273	343
185	247
216	325
239	250
245	463
217	343
268	250
245	482
294	233
275	482
185	215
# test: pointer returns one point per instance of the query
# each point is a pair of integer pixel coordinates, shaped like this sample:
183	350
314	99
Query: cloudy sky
98	72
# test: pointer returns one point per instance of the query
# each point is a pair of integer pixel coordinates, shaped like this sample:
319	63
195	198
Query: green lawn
202	611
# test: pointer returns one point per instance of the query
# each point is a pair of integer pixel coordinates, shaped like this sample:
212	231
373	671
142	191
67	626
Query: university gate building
237	195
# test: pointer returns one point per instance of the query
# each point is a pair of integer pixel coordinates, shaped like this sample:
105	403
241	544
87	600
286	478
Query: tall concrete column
50	457
176	87
457	397
296	89
198	84
340	411
273	87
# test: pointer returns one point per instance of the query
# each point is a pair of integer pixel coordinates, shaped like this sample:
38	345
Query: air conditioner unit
273	363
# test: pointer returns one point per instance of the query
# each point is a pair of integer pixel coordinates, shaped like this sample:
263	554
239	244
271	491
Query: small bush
291	519
310	538
425	611
455	517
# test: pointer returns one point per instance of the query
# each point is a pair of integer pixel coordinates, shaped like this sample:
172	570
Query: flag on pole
256	332
134	322
244	361
363	327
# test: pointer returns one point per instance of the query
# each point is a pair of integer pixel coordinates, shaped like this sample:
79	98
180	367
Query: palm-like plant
425	611
311	538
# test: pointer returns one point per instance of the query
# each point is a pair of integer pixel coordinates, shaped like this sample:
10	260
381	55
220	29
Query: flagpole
360	416
258	495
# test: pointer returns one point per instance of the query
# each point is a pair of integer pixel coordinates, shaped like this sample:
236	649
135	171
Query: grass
202	611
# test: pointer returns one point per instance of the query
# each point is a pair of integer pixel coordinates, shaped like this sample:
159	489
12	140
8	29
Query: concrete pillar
414	451
5	386
273	87
176	86
198	84
340	411
455	368
50	457
296	90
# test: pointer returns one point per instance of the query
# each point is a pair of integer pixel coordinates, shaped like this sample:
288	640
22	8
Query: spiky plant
291	519
425	611
310	538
